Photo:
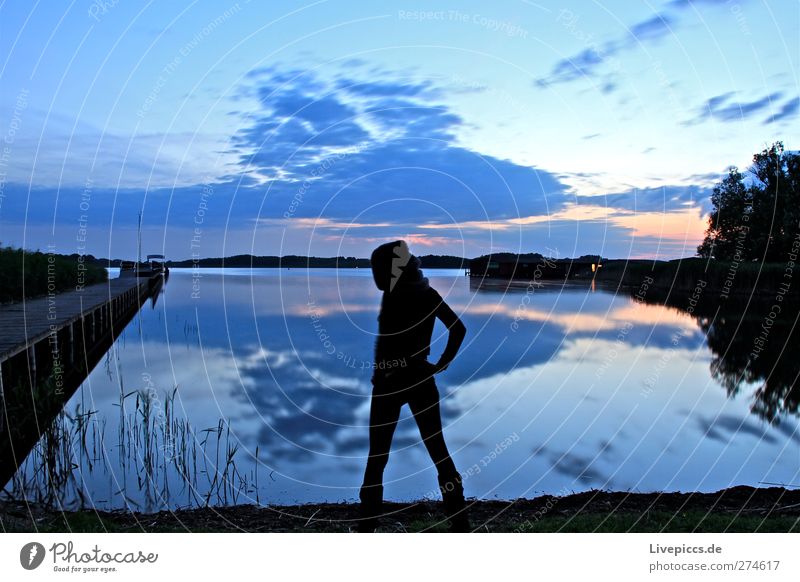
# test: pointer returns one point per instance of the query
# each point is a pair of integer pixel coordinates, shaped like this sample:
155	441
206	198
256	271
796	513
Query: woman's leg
425	406
383	415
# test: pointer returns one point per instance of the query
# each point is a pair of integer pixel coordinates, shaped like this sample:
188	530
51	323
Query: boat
154	266
157	263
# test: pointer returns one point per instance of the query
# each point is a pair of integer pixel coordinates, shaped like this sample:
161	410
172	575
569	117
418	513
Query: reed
159	460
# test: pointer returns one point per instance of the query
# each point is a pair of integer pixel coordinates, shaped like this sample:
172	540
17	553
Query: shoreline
736	509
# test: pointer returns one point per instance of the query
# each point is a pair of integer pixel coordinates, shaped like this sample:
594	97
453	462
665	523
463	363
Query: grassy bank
738	509
683	275
26	274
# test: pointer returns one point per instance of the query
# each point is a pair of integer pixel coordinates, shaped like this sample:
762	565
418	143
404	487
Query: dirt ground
734	509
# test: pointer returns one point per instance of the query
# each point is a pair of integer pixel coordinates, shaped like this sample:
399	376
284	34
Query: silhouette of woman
403	375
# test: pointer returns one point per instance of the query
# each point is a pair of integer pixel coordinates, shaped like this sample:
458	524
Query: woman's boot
455	508
371	507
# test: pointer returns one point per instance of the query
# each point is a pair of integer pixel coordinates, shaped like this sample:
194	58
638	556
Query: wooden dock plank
26	322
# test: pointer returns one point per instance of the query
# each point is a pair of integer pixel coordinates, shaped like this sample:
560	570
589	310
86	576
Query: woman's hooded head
392	264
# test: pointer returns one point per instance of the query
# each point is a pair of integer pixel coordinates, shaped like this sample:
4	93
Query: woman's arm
456	333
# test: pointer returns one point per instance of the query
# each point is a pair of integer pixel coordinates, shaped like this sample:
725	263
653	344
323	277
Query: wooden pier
23	325
48	346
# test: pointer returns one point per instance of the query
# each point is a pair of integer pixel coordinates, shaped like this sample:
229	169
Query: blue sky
329	127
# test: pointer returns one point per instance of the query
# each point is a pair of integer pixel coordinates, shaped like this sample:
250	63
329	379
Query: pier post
32	363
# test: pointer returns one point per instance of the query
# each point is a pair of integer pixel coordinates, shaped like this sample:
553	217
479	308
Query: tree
728	232
768	203
791	215
756	217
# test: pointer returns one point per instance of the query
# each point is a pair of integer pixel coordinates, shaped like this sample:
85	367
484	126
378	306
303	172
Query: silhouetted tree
729	221
768	203
756	217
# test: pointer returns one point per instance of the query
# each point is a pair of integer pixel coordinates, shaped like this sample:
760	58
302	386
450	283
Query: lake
242	386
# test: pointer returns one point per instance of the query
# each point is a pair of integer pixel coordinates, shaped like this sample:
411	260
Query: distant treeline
27	274
537	257
300	262
303	262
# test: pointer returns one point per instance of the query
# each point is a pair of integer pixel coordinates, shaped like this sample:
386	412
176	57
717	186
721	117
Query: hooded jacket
407	316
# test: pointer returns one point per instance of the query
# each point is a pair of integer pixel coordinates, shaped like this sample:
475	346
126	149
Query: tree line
755	214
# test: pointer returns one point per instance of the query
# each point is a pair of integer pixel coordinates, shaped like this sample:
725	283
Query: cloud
725	426
718	100
320	112
789	109
352	160
387	149
580	468
324	223
313	161
652	28
595	56
689	3
387	88
677	227
659	199
57	156
583	64
608	87
721	108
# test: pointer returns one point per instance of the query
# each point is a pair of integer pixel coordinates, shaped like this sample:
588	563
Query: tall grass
159	461
27	274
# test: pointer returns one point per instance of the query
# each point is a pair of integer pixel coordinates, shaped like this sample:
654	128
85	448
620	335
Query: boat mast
139	238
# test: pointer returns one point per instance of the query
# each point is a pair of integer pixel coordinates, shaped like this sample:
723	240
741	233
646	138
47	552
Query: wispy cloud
789	109
722	108
678	225
320	223
652	28
594	57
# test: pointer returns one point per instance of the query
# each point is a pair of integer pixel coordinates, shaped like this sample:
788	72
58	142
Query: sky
327	128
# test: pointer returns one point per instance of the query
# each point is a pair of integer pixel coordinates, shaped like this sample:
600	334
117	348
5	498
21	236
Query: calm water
555	390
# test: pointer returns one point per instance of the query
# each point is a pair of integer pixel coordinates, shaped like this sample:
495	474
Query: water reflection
754	341
591	388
